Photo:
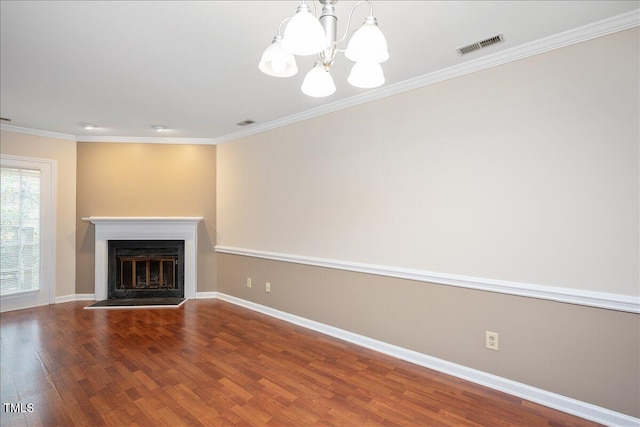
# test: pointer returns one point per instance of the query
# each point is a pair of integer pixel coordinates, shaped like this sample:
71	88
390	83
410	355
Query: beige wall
585	353
146	180
64	153
526	172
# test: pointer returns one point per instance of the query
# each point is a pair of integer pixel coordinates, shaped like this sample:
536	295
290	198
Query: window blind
20	230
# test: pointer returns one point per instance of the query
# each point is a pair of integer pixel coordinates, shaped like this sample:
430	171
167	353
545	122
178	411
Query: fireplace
145	229
145	269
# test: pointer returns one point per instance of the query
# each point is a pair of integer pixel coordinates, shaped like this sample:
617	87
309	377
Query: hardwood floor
211	363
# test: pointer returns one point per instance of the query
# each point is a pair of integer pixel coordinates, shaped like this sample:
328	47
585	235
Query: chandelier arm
353	8
282	23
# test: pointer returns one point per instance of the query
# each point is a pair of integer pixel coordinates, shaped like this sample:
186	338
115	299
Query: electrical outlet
267	287
492	340
248	282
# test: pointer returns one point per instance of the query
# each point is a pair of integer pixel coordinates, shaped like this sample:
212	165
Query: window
27	232
20	231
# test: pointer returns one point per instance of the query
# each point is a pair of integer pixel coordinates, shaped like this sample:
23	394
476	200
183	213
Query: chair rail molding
618	302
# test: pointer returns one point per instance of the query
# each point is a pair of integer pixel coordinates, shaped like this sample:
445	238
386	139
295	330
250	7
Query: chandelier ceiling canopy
304	35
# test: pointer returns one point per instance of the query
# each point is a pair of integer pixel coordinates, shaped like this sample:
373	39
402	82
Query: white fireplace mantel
145	228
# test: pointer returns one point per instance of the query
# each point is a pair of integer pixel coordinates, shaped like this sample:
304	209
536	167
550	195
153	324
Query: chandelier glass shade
318	82
305	34
278	62
367	44
366	75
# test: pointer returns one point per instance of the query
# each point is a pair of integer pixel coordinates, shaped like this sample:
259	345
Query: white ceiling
192	66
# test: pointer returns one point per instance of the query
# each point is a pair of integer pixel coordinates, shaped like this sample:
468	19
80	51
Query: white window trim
48	173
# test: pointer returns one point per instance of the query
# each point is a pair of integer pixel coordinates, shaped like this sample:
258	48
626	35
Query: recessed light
159	128
246	122
88	126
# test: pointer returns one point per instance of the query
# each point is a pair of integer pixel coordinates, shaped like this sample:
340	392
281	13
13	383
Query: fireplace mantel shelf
145	228
153	219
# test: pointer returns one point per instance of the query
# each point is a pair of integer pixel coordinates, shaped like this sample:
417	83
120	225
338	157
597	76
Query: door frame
48	179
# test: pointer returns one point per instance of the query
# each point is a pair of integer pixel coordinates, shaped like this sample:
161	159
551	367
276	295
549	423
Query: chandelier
306	35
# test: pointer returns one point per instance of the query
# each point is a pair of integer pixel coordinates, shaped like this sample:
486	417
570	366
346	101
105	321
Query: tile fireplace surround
145	228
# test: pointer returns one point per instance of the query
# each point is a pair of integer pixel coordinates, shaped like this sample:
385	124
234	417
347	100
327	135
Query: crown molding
594	30
146	140
38	132
577	35
114	139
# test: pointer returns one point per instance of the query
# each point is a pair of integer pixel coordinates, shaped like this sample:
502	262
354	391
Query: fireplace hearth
145	269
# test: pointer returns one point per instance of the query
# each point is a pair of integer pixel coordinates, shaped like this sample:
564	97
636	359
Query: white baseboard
543	397
205	295
75	297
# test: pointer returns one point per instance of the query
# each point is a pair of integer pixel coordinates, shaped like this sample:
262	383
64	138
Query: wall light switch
267	287
248	282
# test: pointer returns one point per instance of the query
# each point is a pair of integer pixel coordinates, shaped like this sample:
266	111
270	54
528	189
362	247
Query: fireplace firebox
145	269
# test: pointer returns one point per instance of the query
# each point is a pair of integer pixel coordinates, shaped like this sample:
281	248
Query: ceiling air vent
246	122
479	45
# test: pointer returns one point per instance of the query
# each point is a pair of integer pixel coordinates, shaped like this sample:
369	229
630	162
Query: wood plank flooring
210	363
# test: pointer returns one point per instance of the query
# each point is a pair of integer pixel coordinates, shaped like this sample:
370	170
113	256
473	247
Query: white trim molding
146	228
524	391
609	301
146	140
207	295
115	139
38	132
75	297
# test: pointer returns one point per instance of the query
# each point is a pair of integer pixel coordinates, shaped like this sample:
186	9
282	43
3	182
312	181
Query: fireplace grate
146	269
